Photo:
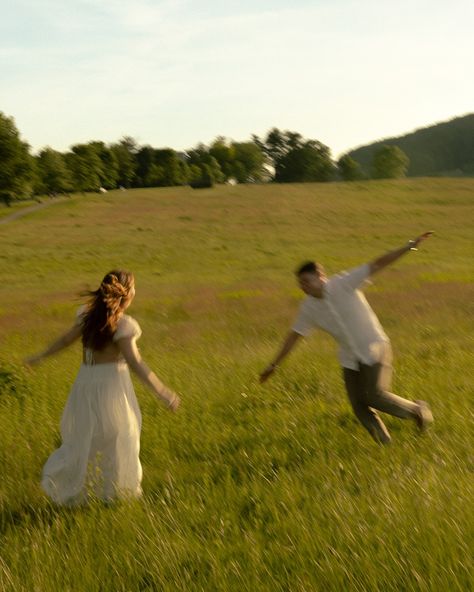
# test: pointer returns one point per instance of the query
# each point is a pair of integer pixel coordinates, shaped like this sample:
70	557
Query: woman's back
110	353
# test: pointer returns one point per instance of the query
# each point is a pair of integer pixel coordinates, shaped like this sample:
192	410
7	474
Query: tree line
280	157
444	149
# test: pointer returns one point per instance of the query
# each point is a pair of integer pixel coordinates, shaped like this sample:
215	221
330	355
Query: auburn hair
104	307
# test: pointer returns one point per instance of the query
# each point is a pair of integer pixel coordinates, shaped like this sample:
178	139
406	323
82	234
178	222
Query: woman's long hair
104	307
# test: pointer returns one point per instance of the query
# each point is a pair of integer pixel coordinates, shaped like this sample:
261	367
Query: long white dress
100	430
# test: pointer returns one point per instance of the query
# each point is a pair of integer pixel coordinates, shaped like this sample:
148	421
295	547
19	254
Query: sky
175	73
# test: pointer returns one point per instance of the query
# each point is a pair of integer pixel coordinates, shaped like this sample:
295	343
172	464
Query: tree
109	173
125	154
162	167
16	163
249	161
349	169
145	160
224	153
174	169
53	176
390	162
296	159
210	169
308	162
201	176
275	146
85	166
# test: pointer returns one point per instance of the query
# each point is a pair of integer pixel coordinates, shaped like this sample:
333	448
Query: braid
104	308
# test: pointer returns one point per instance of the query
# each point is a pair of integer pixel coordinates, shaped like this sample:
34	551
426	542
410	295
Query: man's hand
422	237
265	375
393	256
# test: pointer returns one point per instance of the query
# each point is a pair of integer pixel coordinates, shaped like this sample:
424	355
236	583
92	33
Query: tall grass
247	487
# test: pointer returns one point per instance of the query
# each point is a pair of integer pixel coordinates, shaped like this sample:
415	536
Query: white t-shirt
344	312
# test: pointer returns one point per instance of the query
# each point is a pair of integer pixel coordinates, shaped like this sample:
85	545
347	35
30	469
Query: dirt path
29	210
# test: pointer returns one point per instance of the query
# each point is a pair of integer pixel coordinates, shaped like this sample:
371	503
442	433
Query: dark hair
104	307
308	267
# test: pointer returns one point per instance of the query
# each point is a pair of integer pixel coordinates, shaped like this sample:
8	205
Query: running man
336	305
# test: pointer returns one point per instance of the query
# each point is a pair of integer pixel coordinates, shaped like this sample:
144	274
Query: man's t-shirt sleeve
303	324
355	277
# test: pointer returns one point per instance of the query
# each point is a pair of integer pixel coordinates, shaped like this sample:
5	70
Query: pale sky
174	73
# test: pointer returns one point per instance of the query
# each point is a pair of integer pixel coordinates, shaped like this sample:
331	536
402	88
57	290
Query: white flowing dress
100	430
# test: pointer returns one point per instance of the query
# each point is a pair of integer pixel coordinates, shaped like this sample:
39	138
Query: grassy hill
247	488
444	149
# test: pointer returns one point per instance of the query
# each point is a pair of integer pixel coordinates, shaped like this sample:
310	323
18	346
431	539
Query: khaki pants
368	391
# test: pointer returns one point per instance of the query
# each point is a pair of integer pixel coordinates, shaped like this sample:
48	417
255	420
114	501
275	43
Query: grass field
248	487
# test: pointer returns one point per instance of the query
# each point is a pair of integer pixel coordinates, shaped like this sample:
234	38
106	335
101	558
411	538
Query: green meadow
248	487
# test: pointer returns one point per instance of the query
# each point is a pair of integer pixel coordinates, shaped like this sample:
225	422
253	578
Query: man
337	306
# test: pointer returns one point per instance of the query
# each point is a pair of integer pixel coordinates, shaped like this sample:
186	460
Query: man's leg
377	381
366	415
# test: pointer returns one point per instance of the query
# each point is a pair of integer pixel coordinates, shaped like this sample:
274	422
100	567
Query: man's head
311	278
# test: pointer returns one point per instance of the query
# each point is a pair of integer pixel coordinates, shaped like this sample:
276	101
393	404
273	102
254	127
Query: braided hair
104	307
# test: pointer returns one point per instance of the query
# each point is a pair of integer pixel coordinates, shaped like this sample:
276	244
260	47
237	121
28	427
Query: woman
101	422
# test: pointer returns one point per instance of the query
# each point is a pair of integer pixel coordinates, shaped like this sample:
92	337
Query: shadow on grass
37	515
27	515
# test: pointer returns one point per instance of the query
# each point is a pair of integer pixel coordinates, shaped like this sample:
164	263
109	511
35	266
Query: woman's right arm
62	342
130	352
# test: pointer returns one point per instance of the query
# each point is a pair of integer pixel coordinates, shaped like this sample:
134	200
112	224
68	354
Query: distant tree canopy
86	167
125	153
16	164
389	163
160	168
349	169
296	159
444	149
52	173
205	169
281	157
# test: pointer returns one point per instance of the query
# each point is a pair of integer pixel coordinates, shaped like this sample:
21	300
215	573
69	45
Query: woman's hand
33	360
173	403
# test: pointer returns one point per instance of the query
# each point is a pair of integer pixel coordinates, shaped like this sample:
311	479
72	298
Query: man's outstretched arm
391	257
287	346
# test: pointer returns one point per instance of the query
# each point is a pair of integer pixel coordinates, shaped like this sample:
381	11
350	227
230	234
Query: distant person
101	422
337	306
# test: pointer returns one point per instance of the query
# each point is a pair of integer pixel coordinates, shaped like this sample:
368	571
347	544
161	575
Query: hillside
444	149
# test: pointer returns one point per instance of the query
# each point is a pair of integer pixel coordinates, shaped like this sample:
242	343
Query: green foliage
86	167
349	169
210	171
249	161
306	163
201	176
224	153
242	161
125	152
174	169
145	161
14	383
16	164
389	163
444	149
109	170
53	176
295	159
160	167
